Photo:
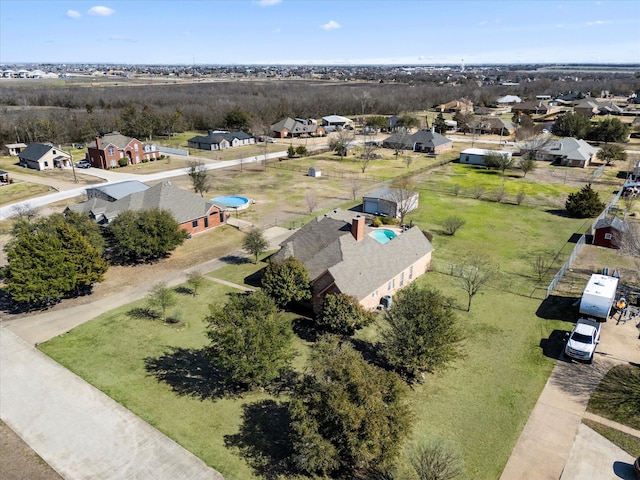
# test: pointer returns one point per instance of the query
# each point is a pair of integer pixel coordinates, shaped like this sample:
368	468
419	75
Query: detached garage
478	156
388	201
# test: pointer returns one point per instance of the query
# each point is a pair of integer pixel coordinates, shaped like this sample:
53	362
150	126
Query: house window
111	151
608	236
391	284
194	224
374	294
137	158
206	222
135	147
402	279
410	272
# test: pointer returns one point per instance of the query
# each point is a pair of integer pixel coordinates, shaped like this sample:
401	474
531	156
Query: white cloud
598	22
100	11
72	14
268	3
120	38
330	25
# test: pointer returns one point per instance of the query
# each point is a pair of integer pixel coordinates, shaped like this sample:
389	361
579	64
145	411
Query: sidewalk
77	429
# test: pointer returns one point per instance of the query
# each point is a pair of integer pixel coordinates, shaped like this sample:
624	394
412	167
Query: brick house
342	255
193	213
297	127
110	148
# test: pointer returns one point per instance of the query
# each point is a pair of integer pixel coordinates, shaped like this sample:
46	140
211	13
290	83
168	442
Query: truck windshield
579	337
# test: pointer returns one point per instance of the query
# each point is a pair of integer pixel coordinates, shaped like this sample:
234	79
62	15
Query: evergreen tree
347	416
343	314
286	282
255	243
423	334
250	340
439	125
143	236
585	203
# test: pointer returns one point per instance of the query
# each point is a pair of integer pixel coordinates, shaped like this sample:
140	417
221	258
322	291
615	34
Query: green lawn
18	191
480	404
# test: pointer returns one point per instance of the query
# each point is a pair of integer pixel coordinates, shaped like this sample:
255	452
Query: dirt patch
19	462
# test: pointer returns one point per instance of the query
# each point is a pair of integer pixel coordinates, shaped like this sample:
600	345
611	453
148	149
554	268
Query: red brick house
110	148
193	213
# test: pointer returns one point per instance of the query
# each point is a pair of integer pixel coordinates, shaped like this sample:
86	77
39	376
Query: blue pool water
232	201
383	236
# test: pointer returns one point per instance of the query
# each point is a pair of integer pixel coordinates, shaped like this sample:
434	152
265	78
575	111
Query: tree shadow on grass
305	329
143	313
235	259
255	279
557	307
182	290
264	438
189	372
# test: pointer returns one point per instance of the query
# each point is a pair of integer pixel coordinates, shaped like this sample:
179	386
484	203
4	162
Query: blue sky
319	32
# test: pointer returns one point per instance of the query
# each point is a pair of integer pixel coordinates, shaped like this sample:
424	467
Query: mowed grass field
480	404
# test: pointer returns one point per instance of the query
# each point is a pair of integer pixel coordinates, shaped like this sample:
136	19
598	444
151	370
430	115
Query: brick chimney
97	142
357	228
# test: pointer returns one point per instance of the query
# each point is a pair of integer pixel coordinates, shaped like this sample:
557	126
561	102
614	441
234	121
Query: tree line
77	113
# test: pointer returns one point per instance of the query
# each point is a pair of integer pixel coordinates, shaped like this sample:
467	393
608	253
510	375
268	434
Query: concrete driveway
77	429
554	444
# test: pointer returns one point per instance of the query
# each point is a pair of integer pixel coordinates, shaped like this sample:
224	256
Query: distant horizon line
457	65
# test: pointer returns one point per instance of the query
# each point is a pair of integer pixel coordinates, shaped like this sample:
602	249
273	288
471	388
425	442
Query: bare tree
355	188
312	201
368	151
341	142
531	147
629	240
452	224
404	195
398	141
200	178
436	460
24	211
474	274
500	160
540	263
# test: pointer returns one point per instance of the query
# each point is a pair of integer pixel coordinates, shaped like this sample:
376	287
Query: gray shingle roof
216	137
357	267
183	205
424	137
121	189
116	138
613	222
34	151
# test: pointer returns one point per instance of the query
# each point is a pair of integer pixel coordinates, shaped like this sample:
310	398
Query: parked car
271	140
583	340
83	164
636	467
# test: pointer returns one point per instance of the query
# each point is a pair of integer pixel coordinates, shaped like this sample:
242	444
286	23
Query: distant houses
426	141
221	140
297	127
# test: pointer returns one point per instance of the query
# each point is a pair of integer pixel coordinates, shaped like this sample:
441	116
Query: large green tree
609	130
343	314
250	340
51	258
143	236
255	243
286	281
347	416
571	125
237	119
584	203
423	334
439	124
200	176
612	153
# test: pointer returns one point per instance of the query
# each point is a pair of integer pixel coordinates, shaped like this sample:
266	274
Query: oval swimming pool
232	201
383	235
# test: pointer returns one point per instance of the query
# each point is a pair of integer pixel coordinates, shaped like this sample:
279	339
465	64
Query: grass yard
480	404
18	191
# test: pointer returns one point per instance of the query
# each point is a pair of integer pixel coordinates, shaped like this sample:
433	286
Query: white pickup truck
583	340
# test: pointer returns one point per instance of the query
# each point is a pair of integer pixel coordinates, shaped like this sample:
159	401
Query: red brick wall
213	218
